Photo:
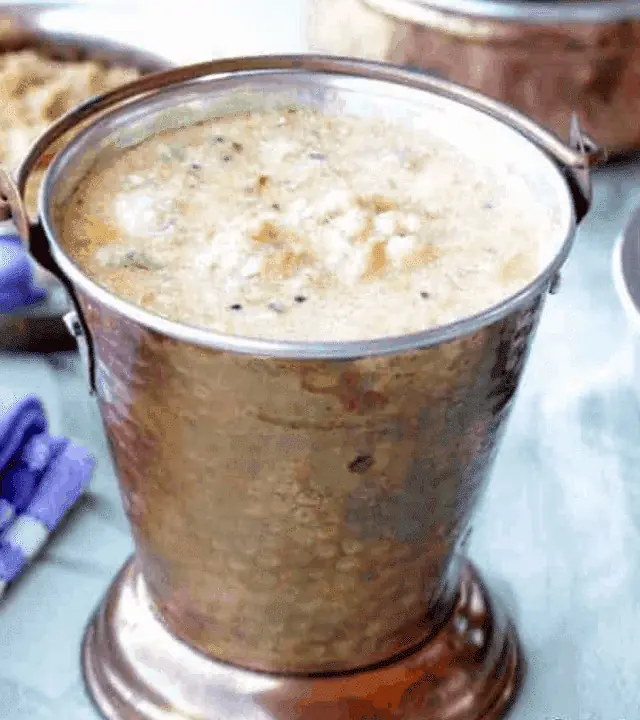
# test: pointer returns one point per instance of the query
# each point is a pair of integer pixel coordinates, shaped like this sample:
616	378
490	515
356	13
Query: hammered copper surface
547	71
300	515
470	669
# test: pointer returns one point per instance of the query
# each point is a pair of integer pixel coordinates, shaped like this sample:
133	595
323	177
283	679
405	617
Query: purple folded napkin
17	284
41	478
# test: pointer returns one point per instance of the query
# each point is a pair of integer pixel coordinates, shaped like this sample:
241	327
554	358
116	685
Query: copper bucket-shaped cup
299	509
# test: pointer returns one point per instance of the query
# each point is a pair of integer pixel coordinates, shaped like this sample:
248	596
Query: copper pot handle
12	206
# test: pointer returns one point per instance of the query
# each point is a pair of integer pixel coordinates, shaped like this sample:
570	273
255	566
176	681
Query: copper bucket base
136	670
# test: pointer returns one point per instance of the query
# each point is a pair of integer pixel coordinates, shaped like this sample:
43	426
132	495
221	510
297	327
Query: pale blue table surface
558	535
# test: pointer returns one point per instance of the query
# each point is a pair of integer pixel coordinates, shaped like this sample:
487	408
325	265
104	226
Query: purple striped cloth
41	478
17	284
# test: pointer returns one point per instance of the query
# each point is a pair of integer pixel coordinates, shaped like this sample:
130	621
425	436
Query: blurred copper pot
547	59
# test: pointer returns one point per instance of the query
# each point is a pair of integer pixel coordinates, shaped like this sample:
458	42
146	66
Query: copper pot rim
570	163
537	12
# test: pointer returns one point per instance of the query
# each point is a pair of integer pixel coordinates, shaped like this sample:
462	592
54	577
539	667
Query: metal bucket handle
575	159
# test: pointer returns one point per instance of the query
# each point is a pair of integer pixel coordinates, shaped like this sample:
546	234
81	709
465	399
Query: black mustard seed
361	464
